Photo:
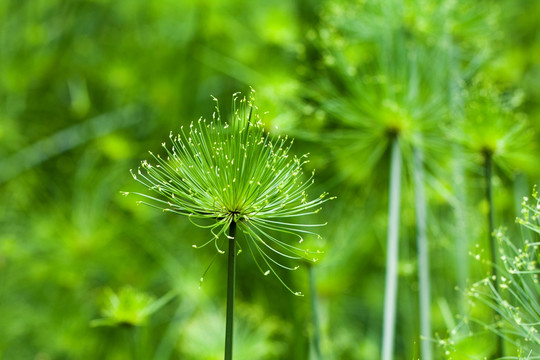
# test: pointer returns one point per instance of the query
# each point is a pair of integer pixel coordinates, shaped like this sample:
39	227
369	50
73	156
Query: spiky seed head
235	171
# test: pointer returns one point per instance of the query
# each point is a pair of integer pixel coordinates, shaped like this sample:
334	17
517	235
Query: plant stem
521	189
423	257
460	230
488	167
390	291
231	274
489	197
314	313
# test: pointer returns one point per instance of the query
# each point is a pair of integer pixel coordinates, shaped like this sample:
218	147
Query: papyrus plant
500	139
384	106
514	293
229	175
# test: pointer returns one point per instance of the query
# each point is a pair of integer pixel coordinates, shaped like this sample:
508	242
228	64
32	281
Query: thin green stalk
391	281
128	333
521	189
423	257
168	340
314	313
488	167
231	275
461	233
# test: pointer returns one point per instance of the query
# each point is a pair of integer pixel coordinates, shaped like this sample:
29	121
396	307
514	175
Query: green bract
236	172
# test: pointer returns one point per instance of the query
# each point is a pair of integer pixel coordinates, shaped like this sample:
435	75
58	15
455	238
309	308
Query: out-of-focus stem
423	257
488	172
391	281
314	313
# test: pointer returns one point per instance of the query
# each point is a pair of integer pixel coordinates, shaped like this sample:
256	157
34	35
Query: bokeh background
87	87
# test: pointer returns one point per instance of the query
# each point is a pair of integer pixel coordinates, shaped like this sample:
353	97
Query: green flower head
128	307
493	128
235	171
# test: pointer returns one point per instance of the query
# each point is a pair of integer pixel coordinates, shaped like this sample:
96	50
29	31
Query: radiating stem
423	257
488	167
390	291
231	274
314	313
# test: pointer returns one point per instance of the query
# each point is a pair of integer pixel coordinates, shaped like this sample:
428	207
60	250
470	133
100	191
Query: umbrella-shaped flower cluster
227	172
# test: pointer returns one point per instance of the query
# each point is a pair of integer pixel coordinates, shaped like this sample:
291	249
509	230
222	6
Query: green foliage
514	295
88	86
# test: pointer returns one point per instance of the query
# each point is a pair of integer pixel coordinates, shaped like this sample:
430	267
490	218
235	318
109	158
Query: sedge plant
499	139
129	310
234	177
514	294
385	109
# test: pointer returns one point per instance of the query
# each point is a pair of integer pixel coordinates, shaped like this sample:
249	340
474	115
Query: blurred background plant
513	294
88	86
